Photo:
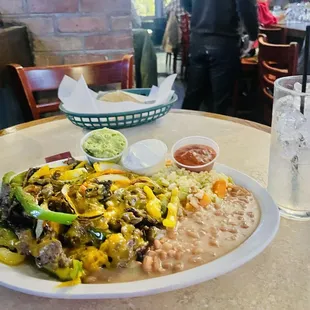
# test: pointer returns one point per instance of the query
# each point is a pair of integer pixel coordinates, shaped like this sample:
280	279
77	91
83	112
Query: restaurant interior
42	36
154	154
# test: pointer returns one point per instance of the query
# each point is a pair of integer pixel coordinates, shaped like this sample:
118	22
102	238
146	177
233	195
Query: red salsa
194	154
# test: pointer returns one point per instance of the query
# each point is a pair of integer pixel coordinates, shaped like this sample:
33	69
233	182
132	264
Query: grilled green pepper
7	238
18	179
7	177
33	209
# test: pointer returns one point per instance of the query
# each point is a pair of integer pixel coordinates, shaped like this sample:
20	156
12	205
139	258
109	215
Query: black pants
213	69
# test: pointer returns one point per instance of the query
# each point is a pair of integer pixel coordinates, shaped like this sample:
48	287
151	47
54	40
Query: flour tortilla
120	96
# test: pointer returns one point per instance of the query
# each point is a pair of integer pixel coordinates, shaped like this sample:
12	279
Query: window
145	7
151	8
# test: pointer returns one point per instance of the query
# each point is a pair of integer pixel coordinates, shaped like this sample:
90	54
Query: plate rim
268	226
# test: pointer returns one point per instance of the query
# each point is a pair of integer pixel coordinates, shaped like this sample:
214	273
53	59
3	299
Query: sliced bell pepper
220	188
33	209
72	174
7	238
153	206
10	258
43	171
173	206
60	169
105	166
81	164
114	177
7	177
18	179
205	200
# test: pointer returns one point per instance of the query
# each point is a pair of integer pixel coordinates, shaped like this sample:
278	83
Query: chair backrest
185	30
275	35
36	79
275	61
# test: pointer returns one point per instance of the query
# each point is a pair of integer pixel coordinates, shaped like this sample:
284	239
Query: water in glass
289	166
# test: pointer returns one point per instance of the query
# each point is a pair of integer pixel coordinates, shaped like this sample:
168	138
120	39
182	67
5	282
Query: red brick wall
73	31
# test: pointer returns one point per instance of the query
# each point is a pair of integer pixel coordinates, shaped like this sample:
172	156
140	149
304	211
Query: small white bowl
145	157
196	140
93	159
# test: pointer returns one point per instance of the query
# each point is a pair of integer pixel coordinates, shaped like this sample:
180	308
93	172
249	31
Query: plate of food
82	229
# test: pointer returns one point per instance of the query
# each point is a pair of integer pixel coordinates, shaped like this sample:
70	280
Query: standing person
215	50
265	16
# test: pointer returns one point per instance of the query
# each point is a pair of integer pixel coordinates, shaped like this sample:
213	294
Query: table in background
294	30
278	278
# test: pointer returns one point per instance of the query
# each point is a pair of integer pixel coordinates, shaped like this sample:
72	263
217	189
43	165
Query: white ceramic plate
29	280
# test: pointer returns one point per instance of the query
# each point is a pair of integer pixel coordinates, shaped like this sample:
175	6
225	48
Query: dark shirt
222	17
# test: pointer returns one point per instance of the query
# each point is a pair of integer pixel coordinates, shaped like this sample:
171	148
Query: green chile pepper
33	209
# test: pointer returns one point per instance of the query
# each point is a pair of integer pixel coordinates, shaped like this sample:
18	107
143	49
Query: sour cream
145	157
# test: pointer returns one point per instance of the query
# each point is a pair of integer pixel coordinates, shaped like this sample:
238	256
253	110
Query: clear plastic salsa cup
196	140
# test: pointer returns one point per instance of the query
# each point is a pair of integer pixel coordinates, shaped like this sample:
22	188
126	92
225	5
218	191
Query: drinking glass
289	165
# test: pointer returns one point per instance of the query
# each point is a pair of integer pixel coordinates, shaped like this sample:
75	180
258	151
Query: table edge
14	129
291	31
241	121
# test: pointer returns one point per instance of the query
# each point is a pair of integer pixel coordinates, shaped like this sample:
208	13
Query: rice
189	182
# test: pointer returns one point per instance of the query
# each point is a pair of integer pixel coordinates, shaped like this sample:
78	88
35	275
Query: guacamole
104	143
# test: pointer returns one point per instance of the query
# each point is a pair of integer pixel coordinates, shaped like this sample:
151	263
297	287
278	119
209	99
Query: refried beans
200	237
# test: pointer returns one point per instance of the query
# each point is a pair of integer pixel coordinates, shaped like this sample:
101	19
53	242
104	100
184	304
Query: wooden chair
249	66
185	29
248	71
181	52
275	35
38	79
275	61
